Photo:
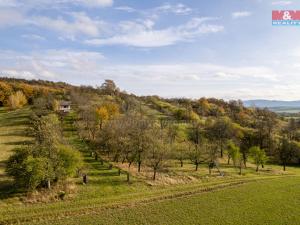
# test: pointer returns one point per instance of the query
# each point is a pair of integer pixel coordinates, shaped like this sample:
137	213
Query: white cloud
49	64
282	3
33	37
126	9
80	24
192	71
42	4
142	34
236	15
169	80
9	3
10	17
179	9
17	74
94	3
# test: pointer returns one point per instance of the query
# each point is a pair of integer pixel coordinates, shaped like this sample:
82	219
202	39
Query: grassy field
182	196
13	125
274	201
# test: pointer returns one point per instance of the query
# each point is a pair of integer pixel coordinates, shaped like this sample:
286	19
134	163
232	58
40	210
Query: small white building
65	106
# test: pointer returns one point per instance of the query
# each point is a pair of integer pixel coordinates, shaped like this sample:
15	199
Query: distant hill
275	105
271	103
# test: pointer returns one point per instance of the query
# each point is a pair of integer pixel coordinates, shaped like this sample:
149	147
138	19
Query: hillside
133	152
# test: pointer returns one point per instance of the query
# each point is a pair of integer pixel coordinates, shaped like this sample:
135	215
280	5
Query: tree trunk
119	171
256	168
228	162
221	149
116	158
245	160
154	174
139	166
283	166
196	166
49	184
128	177
181	163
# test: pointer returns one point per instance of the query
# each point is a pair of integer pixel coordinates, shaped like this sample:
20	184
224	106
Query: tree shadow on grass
108	182
19	143
20	133
104	174
7	186
10	122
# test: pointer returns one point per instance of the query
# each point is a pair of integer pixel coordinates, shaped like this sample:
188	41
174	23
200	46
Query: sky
174	48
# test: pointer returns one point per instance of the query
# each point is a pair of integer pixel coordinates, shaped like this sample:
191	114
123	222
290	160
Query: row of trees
134	138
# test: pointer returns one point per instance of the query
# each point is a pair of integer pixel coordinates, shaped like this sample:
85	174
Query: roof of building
65	103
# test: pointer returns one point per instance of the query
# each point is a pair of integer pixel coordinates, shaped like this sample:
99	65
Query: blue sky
189	48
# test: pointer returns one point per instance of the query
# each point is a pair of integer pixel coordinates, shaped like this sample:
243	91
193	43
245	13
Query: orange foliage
5	92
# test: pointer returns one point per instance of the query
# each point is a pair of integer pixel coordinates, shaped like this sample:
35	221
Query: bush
17	100
31	167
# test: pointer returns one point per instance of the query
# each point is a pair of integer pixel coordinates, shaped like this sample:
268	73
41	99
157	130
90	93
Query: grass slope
274	201
13	125
108	199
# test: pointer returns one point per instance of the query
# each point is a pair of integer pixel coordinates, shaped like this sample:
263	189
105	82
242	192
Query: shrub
17	100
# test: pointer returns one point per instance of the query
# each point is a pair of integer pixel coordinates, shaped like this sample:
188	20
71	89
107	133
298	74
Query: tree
196	155
211	150
232	152
48	160
46	130
70	161
265	123
236	156
5	92
158	151
107	111
140	138
40	106
27	89
55	105
88	124
258	155
39	166
102	114
109	87
112	108
204	107
221	131
291	129
245	144
287	151
111	138
181	151
17	100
